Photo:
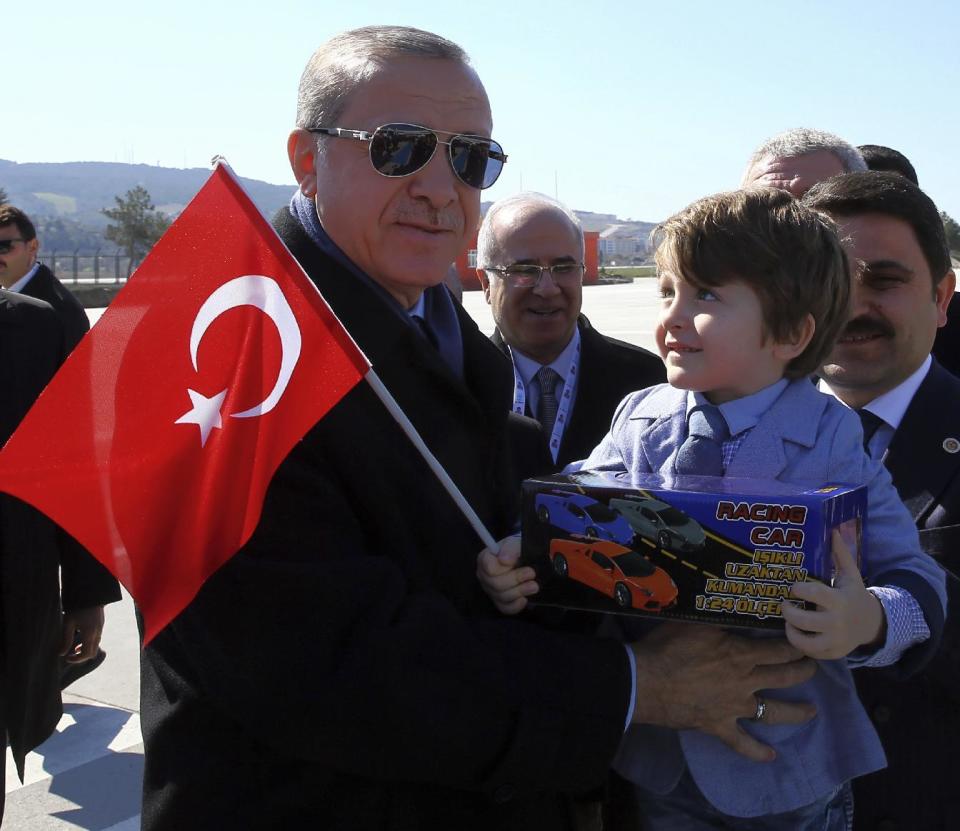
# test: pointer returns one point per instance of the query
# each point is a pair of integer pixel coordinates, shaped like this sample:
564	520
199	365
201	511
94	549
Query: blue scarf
439	311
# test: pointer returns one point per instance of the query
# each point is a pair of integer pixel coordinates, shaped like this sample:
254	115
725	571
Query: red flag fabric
154	444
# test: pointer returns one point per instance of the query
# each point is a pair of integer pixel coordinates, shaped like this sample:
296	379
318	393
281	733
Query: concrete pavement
87	775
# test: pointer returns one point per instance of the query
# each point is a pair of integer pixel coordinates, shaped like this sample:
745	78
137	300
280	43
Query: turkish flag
154	444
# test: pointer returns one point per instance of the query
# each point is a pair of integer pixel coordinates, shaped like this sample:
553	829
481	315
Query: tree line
134	228
136	225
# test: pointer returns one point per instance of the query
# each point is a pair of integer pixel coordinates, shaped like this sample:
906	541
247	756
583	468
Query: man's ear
789	350
302	152
33	246
943	294
484	283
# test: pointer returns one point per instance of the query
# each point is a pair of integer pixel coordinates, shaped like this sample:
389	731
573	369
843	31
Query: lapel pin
951	445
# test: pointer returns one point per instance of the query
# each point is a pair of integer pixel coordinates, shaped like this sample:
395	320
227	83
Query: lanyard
566	399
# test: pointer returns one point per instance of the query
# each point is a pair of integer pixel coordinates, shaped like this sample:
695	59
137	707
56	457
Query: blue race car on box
582	516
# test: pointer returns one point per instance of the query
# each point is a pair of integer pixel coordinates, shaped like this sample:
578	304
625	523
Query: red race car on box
621	573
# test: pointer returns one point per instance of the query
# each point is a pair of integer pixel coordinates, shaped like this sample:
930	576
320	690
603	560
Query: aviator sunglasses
402	149
6	245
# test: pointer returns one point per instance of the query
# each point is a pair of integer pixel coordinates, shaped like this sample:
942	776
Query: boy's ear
788	350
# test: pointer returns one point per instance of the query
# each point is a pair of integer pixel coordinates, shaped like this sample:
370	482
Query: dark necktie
701	454
547	405
871	423
425	330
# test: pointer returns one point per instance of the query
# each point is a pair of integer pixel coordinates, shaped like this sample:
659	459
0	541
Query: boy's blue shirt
805	437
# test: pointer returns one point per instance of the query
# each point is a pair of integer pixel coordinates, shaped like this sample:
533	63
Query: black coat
33	549
609	370
919	719
344	670
946	347
44	286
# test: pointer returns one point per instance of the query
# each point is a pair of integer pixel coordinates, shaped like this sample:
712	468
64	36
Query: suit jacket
44	286
919	721
946	347
609	370
32	549
344	670
804	437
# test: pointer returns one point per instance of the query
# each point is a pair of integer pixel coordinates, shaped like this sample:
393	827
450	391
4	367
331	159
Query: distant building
625	242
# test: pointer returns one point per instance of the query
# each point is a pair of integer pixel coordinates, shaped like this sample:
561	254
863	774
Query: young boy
755	289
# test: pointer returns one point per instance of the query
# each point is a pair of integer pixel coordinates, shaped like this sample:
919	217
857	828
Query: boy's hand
507	585
847	615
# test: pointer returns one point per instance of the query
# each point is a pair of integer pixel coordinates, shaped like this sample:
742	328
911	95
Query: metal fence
82	268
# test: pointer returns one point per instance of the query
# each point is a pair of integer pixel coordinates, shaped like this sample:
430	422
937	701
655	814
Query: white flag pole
451	487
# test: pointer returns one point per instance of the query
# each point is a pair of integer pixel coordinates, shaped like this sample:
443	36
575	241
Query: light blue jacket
805	437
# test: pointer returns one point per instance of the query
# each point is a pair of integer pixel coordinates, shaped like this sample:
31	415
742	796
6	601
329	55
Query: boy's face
712	340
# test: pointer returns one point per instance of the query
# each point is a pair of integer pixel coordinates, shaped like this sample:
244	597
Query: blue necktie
547	405
701	454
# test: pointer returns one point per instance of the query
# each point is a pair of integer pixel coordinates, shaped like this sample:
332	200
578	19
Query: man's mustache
450	219
865	326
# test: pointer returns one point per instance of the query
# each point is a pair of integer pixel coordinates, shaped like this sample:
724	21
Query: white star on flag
205	413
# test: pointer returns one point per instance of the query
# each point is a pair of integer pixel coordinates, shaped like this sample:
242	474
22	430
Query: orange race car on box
621	573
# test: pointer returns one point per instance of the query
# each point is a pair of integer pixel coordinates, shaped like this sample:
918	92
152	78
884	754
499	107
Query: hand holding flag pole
159	505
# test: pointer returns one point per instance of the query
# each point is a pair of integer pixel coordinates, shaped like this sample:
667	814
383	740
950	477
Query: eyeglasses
528	275
6	245
402	149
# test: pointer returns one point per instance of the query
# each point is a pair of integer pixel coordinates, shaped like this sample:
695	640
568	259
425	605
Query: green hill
69	196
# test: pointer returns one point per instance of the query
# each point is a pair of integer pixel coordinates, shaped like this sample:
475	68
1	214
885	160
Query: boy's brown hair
788	254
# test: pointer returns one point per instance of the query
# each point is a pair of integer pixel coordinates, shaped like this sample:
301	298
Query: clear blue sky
632	108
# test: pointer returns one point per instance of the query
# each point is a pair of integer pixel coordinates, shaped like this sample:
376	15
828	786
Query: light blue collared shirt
741	414
891	407
21	284
527	369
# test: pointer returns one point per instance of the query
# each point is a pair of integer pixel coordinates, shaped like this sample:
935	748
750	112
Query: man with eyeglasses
344	670
21	271
530	254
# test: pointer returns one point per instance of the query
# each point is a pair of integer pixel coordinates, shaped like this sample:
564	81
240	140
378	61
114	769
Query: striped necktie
547	405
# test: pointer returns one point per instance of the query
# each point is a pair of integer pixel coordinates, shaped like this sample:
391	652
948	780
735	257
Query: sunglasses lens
6	246
477	163
401	149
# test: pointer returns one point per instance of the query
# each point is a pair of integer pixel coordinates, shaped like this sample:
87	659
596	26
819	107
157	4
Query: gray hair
344	62
488	246
801	141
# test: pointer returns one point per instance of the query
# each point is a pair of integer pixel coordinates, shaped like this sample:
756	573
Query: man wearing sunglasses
530	254
52	592
344	670
20	271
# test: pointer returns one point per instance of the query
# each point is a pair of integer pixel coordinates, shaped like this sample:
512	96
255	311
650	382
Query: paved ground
87	775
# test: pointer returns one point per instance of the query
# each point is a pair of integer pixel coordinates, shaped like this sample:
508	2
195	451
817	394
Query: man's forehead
797	172
9	231
442	94
537	231
874	237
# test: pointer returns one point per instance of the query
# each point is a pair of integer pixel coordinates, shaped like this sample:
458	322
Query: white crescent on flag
262	293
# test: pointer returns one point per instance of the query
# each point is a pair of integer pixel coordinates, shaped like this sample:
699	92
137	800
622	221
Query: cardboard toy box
699	548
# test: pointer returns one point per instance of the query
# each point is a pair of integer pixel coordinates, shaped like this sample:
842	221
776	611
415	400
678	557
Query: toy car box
699	548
